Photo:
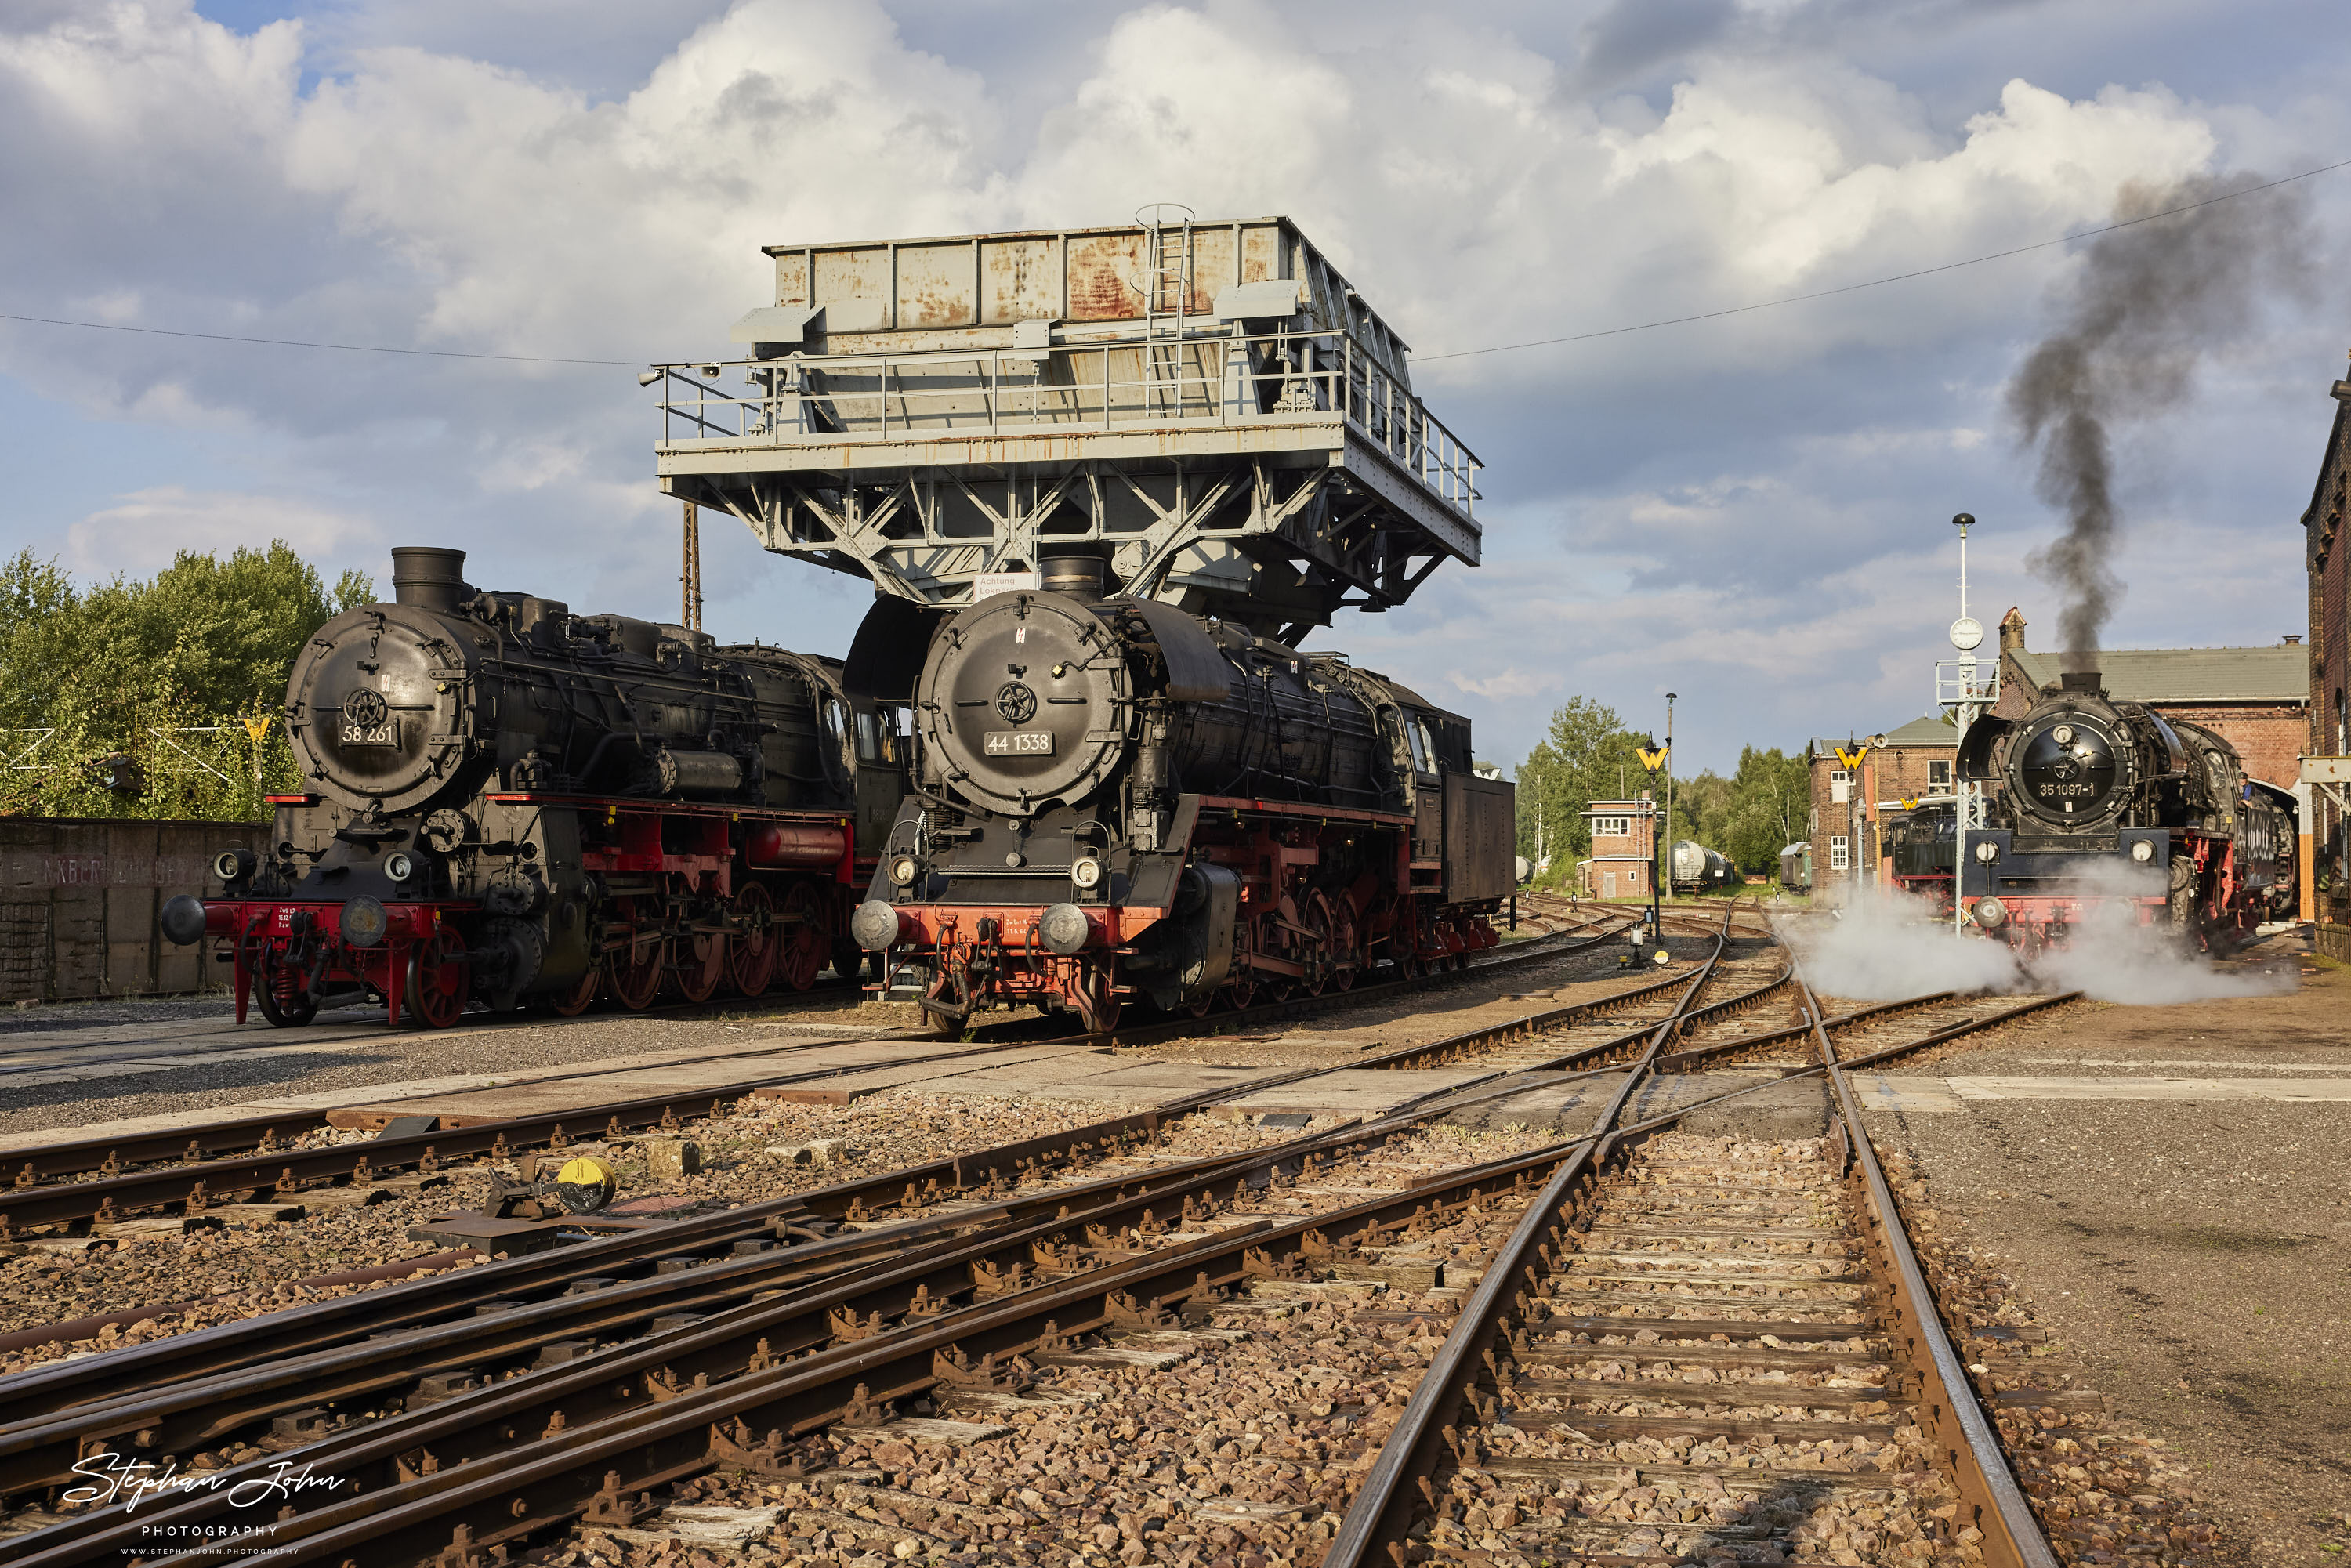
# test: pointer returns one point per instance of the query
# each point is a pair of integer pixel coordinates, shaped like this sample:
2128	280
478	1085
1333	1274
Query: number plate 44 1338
1020	743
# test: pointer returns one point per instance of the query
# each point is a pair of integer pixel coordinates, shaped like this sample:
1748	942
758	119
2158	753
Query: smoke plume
2148	302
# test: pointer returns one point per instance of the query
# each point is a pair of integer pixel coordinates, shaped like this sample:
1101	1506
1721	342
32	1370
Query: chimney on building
2012	632
2294	639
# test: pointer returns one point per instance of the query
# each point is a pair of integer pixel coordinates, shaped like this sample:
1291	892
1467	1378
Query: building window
1840	854
1632	873
1840	775
1940	773
1612	827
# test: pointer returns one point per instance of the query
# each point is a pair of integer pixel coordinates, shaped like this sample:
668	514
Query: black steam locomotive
509	802
1919	844
2093	802
1118	800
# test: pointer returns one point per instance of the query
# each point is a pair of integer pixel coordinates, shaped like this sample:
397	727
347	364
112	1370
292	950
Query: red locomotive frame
1287	935
742	896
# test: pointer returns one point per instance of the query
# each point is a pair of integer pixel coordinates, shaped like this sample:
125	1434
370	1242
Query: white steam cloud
1888	948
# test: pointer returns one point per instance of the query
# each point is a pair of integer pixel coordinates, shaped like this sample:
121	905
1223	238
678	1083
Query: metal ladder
1166	297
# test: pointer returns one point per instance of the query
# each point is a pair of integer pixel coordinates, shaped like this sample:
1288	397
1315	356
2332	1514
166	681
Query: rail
1124	382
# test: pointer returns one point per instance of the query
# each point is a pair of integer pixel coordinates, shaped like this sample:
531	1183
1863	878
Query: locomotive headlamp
2063	734
1064	929
1989	913
1987	852
231	865
1087	872
364	922
2143	852
400	865
902	870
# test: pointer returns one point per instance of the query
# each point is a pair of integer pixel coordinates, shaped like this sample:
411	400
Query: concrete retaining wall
78	899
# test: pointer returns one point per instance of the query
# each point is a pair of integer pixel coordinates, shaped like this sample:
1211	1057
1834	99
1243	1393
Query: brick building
1851	808
1623	857
2325	846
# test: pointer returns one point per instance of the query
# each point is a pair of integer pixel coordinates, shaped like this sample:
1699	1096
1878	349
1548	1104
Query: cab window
1418	734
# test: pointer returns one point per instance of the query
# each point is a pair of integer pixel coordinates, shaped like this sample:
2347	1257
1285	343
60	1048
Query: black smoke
2148	303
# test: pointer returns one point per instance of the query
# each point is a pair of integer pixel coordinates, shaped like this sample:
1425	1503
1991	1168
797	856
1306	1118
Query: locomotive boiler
2096	803
507	801
1118	800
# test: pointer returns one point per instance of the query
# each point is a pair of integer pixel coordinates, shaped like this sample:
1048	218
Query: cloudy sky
1752	511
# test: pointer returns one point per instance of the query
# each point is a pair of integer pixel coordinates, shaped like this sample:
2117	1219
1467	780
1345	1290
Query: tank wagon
1697	869
2094	803
507	803
1119	799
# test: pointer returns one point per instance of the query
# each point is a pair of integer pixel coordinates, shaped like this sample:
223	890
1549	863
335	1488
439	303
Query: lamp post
1967	635
1669	788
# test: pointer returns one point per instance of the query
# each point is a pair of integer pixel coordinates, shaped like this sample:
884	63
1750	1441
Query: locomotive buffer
1208	406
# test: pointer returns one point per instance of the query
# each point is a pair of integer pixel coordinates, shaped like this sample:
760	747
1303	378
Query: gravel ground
2194	1259
254	1268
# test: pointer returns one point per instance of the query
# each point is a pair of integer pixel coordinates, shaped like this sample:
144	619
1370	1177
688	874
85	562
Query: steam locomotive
1919	844
508	802
1117	800
2098	802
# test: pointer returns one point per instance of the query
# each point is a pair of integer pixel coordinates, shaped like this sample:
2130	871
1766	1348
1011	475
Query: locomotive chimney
1077	571
2086	682
427	577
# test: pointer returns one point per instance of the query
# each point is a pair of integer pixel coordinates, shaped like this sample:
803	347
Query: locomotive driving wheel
632	974
1239	988
438	978
283	991
573	1002
1346	957
698	962
806	944
1314	952
757	941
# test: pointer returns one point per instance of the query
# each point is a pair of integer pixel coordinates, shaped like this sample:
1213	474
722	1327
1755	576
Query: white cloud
145	529
1750	498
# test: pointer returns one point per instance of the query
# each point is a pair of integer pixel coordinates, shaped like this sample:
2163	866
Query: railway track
729	1296
88	1181
1695	1350
728	1360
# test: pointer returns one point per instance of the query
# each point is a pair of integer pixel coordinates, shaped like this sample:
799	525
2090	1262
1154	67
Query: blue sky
1751	512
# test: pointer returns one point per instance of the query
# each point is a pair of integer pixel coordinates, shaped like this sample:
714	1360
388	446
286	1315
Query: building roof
2278	675
1929	731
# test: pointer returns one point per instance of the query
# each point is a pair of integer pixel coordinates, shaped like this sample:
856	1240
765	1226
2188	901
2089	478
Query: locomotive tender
1117	798
509	802
2098	802
1920	843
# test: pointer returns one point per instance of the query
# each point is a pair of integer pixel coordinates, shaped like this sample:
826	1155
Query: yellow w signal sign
1653	761
1852	758
257	728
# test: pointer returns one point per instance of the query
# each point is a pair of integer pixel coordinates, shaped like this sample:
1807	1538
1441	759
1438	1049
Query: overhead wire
1419	359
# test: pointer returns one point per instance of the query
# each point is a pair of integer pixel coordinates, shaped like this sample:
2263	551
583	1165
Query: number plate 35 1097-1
385	734
1020	743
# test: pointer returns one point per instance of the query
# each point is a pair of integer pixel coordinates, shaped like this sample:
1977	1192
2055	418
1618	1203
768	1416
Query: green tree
1588	755
175	683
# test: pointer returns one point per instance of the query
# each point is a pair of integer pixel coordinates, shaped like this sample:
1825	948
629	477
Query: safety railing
1120	383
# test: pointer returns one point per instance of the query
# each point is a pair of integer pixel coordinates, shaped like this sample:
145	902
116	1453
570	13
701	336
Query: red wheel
758	942
698	962
807	945
632	975
438	980
573	1002
1314	952
283	991
1346	953
1097	1003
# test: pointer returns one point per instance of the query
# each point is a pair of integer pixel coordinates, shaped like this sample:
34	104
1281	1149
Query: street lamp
1967	635
1670	785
